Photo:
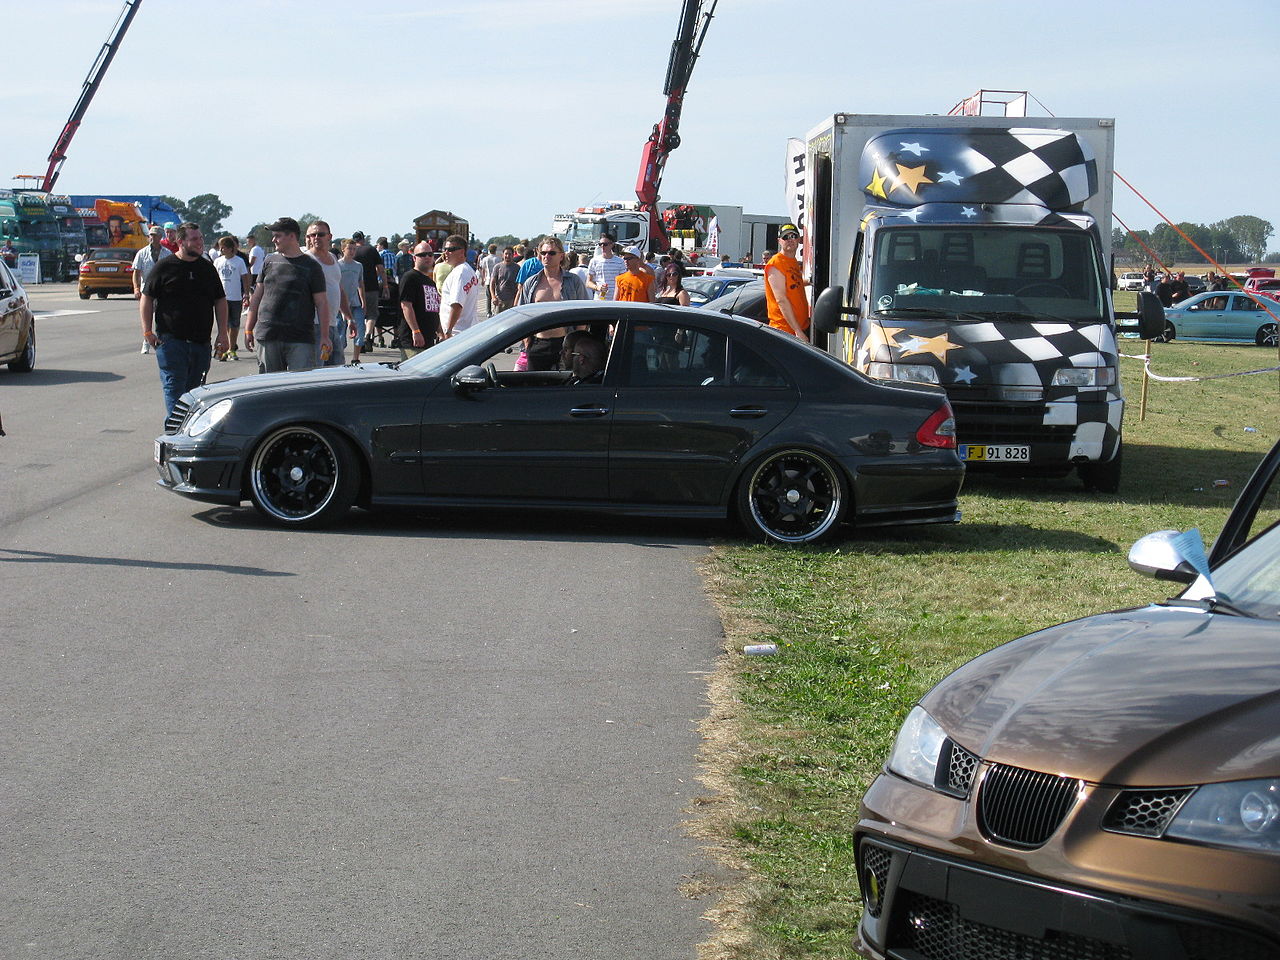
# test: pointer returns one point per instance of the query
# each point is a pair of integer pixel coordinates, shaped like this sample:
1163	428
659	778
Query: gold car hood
1156	696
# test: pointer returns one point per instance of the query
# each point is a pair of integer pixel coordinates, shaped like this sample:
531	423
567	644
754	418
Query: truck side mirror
828	310
1150	316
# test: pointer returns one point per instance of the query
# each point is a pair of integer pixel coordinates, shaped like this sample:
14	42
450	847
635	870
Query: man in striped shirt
604	269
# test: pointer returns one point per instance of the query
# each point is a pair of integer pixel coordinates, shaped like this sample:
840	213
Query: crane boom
91	84
666	134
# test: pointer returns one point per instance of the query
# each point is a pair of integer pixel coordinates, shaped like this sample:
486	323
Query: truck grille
1008	423
1022	808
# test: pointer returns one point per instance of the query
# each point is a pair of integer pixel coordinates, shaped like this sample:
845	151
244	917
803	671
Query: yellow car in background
107	270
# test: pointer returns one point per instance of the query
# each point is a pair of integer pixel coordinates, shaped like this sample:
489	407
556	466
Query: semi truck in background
706	228
75	243
973	252
31	227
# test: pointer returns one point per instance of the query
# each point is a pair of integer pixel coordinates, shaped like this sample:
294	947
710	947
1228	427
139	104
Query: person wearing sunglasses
550	284
419	305
461	291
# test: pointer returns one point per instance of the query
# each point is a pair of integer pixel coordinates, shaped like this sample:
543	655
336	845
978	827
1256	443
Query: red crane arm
91	84
666	133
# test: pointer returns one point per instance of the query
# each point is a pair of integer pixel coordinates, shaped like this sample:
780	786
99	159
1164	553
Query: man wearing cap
181	300
635	283
404	259
289	296
604	268
461	290
170	241
784	287
144	262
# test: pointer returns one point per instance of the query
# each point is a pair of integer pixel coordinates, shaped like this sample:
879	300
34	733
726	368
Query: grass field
866	624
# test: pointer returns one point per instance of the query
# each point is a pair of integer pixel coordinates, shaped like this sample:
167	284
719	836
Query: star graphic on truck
911	177
876	186
938	346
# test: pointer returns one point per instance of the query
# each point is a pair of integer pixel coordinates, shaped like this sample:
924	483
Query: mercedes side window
748	368
667	355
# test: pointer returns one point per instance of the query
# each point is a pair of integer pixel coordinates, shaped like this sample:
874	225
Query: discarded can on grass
1222	483
760	649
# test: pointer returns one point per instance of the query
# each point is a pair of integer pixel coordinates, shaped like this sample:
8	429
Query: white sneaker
146	347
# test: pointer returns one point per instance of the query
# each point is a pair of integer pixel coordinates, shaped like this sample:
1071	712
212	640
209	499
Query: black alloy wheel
303	476
792	497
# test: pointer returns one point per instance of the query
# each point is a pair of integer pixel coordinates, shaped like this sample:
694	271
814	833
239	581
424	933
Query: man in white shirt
461	291
256	256
144	261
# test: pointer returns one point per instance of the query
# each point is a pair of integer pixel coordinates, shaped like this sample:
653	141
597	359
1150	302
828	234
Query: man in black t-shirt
375	272
419	305
179	306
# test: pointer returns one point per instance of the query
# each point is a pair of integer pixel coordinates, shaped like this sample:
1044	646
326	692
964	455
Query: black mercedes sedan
693	414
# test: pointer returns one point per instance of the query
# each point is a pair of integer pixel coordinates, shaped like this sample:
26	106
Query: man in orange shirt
636	281
784	287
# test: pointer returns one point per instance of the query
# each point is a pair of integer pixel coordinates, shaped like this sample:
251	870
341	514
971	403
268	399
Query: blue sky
509	111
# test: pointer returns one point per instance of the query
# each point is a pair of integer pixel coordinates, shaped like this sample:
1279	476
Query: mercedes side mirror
469	379
1150	316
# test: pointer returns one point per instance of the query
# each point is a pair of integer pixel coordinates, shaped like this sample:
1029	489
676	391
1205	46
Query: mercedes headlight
910	372
1243	813
208	418
917	749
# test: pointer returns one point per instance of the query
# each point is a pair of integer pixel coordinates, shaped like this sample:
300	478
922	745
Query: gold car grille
1022	808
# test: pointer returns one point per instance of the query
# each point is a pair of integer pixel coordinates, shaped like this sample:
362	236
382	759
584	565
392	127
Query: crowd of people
302	308
1171	287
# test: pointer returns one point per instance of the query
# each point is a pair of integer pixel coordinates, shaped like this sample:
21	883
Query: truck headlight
1243	813
917	748
1084	377
911	372
208	418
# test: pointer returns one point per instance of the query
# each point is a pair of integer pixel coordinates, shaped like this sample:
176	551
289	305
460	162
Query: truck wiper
933	312
1214	604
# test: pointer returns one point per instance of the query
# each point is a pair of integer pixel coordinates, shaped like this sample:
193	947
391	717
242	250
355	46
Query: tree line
1240	239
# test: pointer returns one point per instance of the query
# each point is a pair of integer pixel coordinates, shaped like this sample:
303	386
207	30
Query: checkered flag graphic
1023	166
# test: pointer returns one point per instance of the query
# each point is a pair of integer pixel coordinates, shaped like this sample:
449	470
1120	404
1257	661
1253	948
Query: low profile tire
792	497
1102	477
1268	335
25	362
303	476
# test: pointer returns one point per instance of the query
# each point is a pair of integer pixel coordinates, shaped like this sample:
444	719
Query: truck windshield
40	231
980	272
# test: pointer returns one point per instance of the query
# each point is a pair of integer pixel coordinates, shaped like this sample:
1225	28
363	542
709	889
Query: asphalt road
447	737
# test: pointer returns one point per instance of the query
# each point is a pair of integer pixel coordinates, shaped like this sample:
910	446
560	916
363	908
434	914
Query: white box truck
974	253
689	227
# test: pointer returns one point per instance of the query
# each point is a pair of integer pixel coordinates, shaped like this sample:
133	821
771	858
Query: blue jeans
357	314
182	364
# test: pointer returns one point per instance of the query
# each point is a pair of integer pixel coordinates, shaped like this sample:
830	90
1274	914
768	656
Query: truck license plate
996	452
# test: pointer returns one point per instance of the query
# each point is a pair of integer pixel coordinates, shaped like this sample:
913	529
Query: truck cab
975	267
26	221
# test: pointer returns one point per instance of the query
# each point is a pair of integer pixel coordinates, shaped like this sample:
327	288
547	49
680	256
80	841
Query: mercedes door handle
589	412
748	412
